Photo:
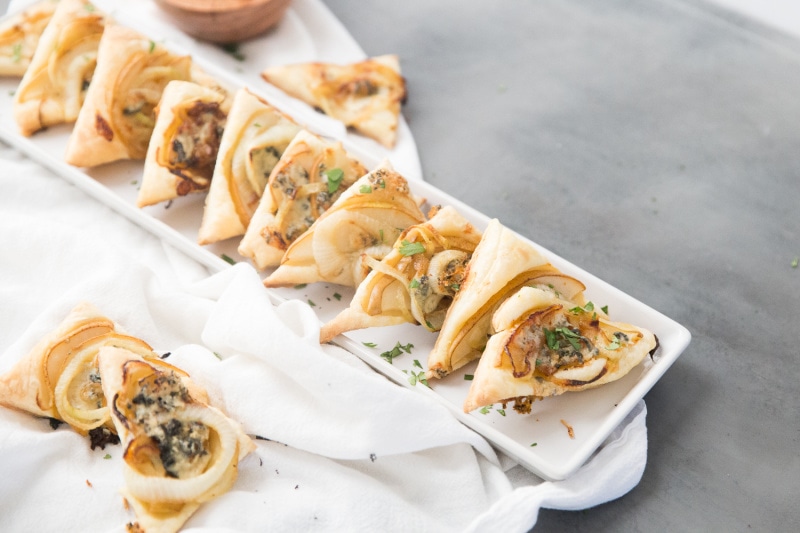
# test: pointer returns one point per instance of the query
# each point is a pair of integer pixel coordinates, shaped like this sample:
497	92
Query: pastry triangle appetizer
416	281
55	84
256	135
179	451
19	35
183	147
545	346
366	220
310	175
365	96
59	377
501	264
118	116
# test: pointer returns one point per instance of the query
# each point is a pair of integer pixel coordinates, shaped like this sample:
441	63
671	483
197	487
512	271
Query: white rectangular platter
539	441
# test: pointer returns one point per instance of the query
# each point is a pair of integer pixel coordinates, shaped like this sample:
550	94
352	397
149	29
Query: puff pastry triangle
416	281
179	451
310	175
501	264
256	135
20	34
366	96
183	147
55	85
365	220
118	116
545	346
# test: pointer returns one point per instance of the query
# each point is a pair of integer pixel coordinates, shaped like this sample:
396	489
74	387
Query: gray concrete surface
657	145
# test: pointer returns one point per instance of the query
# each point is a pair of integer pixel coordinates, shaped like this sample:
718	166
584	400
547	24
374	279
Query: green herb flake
337	296
604	309
232	49
12	93
16	53
795	262
485	409
369	344
502	412
534	444
417	363
455	286
256	124
411	248
381	234
397	351
414	283
218	356
335	177
88	7
469	377
588	308
135	182
365	189
152	46
614	344
300	286
228	259
311	303
107	456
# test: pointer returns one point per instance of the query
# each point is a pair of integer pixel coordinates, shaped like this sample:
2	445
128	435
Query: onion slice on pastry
310	175
366	95
366	220
20	34
179	451
416	281
55	84
545	346
501	264
256	135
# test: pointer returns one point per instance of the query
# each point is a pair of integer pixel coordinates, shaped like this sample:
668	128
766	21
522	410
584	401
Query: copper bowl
224	21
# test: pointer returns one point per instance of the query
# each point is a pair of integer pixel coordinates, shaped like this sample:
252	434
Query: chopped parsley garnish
152	46
795	262
534	444
218	356
88	7
604	309
337	296
301	286
411	248
16	53
455	286
502	412
414	283
365	189
369	344
553	338
417	363
335	176
416	377
397	351
311	303
589	307
469	377
135	182
256	124
485	409
233	50
228	259
107	456
381	234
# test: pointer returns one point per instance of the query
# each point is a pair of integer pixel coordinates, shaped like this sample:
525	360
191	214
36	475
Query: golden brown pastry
255	136
59	377
501	264
183	147
55	84
310	175
19	35
118	116
365	96
416	281
366	220
545	346
179	451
